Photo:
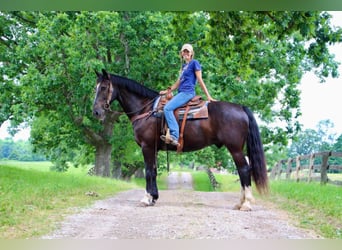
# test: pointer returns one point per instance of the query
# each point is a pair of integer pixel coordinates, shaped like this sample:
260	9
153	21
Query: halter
106	106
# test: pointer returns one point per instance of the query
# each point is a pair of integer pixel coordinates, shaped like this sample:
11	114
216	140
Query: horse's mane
133	86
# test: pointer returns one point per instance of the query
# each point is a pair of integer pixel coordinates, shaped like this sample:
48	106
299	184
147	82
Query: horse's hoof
237	207
147	200
246	208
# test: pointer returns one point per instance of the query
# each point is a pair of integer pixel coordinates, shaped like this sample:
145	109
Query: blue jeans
177	101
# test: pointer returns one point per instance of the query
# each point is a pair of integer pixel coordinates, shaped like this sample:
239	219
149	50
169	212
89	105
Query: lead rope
167	160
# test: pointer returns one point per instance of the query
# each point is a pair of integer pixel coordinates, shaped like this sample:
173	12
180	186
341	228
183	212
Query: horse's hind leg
244	171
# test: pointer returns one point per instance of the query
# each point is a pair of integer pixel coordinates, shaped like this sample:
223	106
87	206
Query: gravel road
180	213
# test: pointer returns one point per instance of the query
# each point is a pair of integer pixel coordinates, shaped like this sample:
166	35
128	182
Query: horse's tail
256	155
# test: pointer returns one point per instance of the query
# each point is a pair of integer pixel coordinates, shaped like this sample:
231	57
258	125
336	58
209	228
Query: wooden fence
303	168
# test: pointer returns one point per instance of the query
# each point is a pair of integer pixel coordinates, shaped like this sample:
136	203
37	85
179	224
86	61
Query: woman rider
190	73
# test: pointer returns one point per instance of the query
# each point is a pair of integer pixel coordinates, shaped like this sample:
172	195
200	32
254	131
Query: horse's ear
105	74
97	73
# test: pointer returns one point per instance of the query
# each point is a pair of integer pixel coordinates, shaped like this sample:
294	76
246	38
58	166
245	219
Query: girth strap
181	134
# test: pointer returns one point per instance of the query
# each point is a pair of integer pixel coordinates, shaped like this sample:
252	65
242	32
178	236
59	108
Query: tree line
19	150
311	141
47	63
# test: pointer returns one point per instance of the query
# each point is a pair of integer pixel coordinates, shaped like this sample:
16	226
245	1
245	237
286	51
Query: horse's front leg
151	194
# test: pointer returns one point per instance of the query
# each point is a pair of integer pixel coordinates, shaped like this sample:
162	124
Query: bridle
106	105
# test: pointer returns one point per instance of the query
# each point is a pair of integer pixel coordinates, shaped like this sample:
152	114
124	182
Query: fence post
324	167
274	171
289	169
297	168
311	166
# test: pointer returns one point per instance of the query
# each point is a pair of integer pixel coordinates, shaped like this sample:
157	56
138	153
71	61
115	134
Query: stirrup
171	141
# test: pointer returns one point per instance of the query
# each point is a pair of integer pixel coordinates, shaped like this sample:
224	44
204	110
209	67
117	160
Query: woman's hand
210	99
163	92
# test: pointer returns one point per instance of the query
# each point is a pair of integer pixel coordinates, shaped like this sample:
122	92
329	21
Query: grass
313	206
32	201
201	181
228	182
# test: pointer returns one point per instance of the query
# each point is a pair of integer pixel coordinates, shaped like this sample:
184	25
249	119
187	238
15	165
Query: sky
319	101
322	101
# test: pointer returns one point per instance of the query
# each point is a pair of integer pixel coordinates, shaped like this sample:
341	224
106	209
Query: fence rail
294	167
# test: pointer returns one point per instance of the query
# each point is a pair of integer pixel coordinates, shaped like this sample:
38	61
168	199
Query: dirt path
180	213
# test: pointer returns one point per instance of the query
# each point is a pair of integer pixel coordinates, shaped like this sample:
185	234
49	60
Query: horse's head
104	95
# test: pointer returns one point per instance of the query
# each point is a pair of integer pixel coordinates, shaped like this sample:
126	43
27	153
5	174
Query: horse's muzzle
99	113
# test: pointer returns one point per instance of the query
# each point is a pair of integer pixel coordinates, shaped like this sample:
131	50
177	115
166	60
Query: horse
228	124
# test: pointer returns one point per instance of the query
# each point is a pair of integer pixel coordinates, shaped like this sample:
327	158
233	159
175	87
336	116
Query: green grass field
313	206
33	199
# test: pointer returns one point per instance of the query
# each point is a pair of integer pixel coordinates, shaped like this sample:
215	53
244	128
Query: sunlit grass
228	183
314	206
32	201
201	181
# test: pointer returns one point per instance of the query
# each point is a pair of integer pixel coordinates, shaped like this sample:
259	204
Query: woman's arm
201	83
173	87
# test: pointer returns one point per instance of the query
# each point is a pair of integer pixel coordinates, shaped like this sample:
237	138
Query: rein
143	107
106	106
141	116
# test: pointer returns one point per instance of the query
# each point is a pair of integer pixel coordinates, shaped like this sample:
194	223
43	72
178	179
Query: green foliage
310	141
20	150
201	181
47	64
263	56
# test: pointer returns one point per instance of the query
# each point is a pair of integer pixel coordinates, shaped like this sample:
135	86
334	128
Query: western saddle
196	108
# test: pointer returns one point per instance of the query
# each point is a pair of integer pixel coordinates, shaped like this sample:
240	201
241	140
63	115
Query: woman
185	84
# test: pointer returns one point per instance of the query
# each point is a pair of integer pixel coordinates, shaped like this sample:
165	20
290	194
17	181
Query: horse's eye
103	88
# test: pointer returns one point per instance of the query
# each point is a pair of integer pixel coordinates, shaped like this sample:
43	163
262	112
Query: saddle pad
195	112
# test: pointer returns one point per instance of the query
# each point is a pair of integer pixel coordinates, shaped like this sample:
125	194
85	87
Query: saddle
196	108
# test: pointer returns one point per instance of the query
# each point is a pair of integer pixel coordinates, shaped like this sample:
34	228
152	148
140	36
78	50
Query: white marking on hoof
249	195
246	199
242	199
147	200
246	206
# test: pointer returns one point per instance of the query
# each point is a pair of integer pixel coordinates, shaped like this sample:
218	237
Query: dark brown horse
228	125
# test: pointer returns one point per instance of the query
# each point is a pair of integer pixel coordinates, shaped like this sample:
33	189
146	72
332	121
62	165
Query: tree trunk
103	159
117	172
100	140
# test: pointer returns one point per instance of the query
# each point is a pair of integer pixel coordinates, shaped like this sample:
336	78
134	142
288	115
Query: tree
312	141
13	26
19	150
337	147
61	54
263	56
307	142
253	58
327	137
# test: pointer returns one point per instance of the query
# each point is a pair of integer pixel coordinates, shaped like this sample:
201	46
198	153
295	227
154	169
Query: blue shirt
188	77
